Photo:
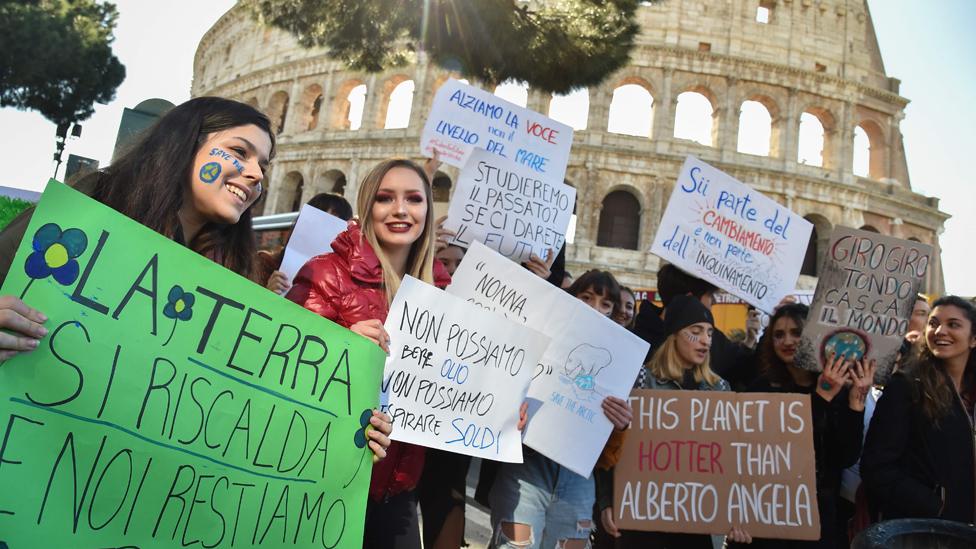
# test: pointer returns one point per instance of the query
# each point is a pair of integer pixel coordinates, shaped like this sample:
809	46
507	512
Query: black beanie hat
683	311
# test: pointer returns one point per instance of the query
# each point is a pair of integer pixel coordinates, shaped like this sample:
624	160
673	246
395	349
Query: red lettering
542	132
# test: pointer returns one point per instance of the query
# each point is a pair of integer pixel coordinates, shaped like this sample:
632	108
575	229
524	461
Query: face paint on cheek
691	337
210	172
220	153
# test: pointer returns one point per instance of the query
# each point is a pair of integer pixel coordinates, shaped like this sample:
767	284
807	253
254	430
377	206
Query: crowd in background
905	449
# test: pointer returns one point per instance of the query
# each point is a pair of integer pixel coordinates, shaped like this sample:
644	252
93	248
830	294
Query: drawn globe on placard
849	343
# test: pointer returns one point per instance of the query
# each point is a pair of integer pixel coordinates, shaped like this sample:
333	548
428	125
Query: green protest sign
174	403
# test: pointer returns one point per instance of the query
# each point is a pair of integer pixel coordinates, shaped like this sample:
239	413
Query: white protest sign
313	235
457	374
589	358
729	234
464	118
507	207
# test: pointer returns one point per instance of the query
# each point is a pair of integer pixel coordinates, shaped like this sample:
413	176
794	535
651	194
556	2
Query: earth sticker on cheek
210	172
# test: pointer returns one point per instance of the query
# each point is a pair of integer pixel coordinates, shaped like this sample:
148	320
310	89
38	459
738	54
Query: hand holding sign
21	327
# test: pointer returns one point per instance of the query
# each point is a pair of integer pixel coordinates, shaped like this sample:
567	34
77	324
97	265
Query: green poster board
174	403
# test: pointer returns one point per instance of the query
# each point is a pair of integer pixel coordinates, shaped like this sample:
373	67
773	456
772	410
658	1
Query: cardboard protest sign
864	298
313	235
507	207
729	234
705	461
174	402
457	374
464	118
589	358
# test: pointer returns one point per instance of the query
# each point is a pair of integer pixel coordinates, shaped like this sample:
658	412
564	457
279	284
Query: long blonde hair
420	262
667	364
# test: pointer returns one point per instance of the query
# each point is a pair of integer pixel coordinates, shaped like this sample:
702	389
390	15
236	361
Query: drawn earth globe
845	342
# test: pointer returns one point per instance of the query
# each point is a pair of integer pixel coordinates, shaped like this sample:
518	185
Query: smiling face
625	313
786	337
228	169
601	302
693	343
399	211
949	333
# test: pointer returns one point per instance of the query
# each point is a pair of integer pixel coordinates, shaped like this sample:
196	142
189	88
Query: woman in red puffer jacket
354	287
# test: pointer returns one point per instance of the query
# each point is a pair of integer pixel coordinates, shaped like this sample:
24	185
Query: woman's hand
442	236
20	327
278	283
618	412
606	517
831	381
374	331
739	535
379	435
862	379
541	267
523	415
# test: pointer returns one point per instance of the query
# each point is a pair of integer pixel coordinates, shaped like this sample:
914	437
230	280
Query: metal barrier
916	534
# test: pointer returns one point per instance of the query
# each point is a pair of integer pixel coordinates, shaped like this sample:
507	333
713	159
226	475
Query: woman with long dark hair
918	458
192	177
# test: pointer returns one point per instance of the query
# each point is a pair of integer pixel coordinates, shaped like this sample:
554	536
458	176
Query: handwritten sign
457	374
464	118
589	357
174	402
313	235
864	298
507	207
729	234
705	461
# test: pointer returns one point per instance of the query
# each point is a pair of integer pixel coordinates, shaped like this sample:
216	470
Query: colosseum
705	78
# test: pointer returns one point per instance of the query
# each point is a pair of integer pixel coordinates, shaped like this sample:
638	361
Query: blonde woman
681	362
354	287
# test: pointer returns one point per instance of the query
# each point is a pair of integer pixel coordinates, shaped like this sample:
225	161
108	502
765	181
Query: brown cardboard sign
865	294
705	461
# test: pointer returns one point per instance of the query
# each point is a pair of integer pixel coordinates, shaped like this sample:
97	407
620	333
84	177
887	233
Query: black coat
910	464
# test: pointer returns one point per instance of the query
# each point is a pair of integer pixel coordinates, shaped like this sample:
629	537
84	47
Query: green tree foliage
56	57
553	45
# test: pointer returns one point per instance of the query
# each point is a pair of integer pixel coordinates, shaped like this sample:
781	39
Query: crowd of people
905	449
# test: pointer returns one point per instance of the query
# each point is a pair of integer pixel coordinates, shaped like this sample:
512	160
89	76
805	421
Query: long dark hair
149	183
770	365
934	390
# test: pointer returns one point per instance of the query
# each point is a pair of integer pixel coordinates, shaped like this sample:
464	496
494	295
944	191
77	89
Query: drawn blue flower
360	437
55	253
179	304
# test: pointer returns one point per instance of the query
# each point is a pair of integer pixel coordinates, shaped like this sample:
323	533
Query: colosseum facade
813	62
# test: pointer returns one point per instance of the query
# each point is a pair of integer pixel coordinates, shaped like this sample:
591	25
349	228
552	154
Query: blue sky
929	46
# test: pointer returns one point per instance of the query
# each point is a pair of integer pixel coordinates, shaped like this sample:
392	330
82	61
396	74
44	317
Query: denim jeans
555	502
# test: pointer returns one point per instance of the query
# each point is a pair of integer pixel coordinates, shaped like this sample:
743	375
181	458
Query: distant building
137	119
808	72
78	167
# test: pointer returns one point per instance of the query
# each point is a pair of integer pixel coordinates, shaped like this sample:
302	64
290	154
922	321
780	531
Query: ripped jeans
556	503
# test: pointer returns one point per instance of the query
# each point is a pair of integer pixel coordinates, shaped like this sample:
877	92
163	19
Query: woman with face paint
837	396
681	362
193	178
354	286
918	458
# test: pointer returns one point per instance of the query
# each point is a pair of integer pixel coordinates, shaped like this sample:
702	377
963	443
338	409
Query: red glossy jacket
347	287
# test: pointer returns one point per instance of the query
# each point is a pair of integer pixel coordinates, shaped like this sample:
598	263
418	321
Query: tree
554	46
56	57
